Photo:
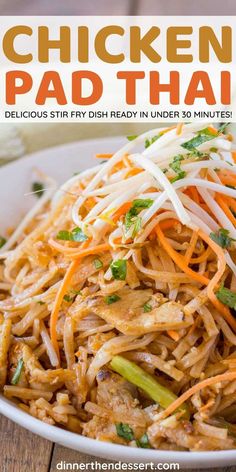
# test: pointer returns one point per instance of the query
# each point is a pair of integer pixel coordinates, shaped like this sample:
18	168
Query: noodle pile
118	296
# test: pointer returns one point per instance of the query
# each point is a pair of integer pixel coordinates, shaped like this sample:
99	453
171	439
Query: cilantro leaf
222	238
75	235
202	136
131	217
2	241
70	297
124	431
226	296
37	188
149	142
137	226
98	263
109	299
141	203
147	307
132	138
144	442
119	269
16	377
176	167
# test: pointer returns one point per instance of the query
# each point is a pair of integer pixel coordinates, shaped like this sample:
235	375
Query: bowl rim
8	408
113	451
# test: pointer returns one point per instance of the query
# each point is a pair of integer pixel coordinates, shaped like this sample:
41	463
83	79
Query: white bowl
15	180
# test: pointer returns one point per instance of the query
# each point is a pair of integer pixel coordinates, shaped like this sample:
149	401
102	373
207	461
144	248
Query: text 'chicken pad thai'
118	296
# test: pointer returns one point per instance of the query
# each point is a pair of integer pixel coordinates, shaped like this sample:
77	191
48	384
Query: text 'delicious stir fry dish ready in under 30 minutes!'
118	295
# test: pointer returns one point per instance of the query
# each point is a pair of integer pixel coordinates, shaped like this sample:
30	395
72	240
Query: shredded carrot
232	203
209	403
226	180
191	247
234	156
227	177
178	259
188	192
92	250
194	194
131	172
104	156
90	203
224	205
168	223
174	335
203	257
64	249
223	309
117	167
121	211
196	388
179	128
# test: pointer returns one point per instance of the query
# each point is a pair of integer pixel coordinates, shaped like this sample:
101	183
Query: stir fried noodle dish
118	296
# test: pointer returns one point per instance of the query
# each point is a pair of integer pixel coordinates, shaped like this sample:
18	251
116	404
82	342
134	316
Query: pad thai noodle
118	295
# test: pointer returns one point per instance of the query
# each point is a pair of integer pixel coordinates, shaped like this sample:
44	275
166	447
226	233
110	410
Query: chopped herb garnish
180	176
40	302
176	167
132	138
202	136
137	226
147	307
70	297
213	149
2	241
149	142
98	263
76	235
226	296
131	217
109	299
222	238
141	203
16	377
195	153
124	431
144	442
37	188
119	269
